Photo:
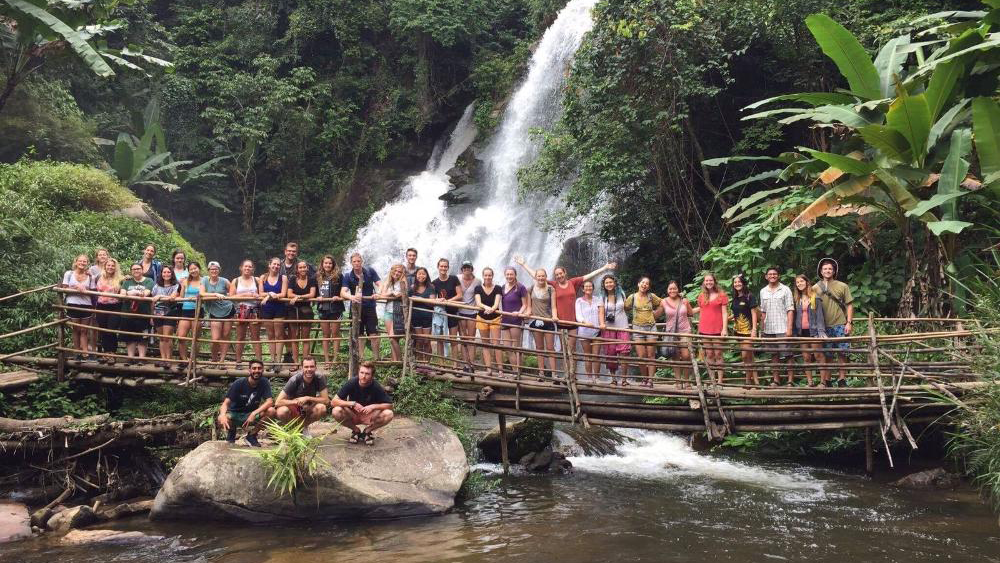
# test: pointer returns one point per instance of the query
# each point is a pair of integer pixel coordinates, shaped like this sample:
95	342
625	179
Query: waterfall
501	224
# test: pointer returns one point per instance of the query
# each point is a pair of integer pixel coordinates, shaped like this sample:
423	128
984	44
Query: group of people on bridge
173	299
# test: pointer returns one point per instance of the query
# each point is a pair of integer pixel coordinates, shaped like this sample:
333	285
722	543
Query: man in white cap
838	309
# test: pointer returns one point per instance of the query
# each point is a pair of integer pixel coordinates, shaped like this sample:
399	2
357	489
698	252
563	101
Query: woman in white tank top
244	288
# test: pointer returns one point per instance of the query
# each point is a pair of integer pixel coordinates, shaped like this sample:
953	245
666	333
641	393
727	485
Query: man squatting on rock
248	404
362	401
304	396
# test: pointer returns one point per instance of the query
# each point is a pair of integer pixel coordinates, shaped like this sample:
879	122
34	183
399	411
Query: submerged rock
82	537
523	437
414	468
15	522
929	479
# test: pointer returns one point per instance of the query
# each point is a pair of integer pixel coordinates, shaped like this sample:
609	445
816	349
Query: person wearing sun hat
838	309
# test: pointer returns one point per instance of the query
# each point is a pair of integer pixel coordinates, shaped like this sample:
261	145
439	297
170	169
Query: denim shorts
836	331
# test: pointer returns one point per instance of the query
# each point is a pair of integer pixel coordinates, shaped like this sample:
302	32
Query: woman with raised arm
745	315
191	288
79	280
166	290
809	322
543	304
587	313
423	314
329	282
642	304
178	260
391	289
566	289
273	286
677	313
611	314
219	311
515	304
136	324
713	320
247	310
108	309
488	296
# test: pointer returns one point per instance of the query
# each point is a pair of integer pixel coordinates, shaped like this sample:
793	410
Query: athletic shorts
269	313
330	315
568	328
239	418
780	349
484	325
187	313
804	333
232	313
547	326
300	313
836	331
158	323
369	322
645	328
73	314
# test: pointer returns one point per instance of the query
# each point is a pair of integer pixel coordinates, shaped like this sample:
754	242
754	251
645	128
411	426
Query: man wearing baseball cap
838	309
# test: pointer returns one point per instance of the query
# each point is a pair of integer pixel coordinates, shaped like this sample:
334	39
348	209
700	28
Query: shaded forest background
311	112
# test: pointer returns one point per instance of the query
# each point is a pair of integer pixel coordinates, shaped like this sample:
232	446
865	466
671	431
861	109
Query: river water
654	499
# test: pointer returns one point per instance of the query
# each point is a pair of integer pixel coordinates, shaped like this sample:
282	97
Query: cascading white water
502	225
658	455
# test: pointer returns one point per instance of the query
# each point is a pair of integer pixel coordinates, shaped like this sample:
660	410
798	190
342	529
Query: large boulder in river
414	468
929	479
523	437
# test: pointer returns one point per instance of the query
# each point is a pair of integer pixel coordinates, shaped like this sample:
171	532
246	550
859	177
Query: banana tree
33	31
908	133
143	159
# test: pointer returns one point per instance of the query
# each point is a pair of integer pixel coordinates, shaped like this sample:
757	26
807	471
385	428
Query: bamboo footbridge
900	371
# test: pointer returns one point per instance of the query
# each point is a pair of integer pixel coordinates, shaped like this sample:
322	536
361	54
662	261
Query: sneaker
251	439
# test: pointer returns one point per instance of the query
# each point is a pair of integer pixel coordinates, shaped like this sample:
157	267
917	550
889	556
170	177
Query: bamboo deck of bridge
900	371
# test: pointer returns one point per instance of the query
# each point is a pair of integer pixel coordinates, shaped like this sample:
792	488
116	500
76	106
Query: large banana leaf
935	201
947	122
954	170
889	141
847	53
830	198
889	63
811	98
910	115
986	128
123	162
942	84
846	163
900	194
75	40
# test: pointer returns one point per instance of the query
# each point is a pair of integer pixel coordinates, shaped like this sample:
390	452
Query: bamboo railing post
564	344
701	390
408	357
504	456
869	452
889	424
192	369
61	354
354	356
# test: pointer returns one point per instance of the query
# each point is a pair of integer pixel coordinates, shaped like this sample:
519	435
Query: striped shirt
775	304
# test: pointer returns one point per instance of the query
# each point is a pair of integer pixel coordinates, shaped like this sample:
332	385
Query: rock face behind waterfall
415	468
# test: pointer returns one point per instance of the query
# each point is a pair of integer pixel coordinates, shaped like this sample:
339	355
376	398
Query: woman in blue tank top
273	286
191	288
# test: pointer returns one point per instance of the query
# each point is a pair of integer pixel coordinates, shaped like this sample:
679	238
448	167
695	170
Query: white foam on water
657	455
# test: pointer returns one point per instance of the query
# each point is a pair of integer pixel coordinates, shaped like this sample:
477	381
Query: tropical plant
33	31
292	459
916	130
144	160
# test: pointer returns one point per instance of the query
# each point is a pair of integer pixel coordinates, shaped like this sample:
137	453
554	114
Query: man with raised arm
359	283
248	405
305	396
777	312
362	401
838	310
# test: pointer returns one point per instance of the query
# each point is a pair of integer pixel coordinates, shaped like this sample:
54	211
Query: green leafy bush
48	397
66	187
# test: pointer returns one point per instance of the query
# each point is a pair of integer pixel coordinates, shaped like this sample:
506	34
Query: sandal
369	440
356	437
